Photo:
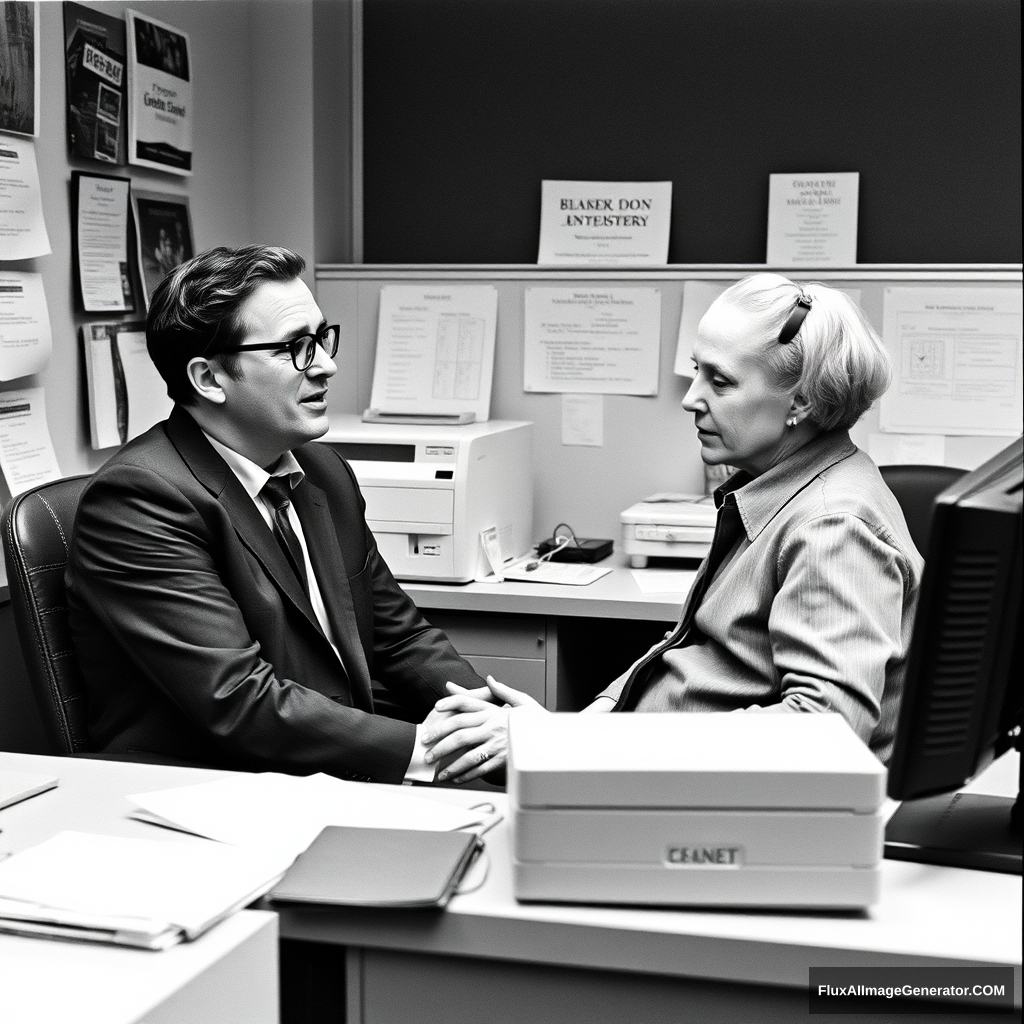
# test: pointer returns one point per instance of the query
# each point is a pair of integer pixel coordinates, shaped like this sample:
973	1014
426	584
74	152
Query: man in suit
228	602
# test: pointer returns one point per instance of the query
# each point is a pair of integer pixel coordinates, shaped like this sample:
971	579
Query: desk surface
615	596
927	915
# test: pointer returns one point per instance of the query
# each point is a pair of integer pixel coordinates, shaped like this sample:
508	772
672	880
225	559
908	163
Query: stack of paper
132	892
287	812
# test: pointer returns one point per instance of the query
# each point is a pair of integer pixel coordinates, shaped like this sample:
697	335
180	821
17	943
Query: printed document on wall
957	359
160	98
592	339
26	451
435	350
22	228
25	337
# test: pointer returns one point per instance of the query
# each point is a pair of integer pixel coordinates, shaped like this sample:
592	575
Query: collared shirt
253	478
813	608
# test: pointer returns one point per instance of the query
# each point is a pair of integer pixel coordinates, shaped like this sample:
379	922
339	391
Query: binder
379	867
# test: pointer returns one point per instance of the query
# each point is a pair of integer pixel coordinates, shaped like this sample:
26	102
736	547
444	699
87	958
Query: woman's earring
791	422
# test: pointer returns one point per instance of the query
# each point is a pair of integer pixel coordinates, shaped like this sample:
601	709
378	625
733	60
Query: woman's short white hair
836	361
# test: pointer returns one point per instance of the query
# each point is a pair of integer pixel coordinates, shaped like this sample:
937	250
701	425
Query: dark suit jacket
197	642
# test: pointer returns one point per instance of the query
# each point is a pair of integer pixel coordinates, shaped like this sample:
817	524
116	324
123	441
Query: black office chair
36	530
916	488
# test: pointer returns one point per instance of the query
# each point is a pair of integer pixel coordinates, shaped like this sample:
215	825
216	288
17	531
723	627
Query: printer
668	526
753	810
430	490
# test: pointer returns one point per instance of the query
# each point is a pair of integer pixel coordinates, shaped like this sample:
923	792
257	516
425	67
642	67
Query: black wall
470	103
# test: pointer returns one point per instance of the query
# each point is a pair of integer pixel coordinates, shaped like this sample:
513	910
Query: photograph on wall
19	67
163	229
159	96
94	56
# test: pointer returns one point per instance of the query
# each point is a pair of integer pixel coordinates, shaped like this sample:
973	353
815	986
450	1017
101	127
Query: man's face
273	406
739	413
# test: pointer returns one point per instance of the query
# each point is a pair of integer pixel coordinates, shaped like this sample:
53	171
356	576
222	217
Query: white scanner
430	490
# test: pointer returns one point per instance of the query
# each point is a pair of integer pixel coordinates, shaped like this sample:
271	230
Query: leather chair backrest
36	529
916	488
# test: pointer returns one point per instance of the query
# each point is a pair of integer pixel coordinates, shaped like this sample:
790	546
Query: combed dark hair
195	310
836	360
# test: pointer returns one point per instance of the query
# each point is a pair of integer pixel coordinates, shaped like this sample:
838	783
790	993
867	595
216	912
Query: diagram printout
435	350
956	356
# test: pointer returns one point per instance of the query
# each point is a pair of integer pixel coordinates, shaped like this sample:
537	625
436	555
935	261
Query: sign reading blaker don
622	223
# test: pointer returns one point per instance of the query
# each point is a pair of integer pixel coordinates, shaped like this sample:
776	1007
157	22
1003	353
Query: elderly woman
806	600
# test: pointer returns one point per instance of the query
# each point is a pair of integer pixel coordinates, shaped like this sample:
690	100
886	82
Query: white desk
227	976
490	959
560	644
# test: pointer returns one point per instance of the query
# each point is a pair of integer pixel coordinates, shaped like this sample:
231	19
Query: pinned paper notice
583	420
22	228
907	449
26	451
812	219
25	337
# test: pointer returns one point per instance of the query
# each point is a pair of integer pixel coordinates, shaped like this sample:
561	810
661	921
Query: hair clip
796	319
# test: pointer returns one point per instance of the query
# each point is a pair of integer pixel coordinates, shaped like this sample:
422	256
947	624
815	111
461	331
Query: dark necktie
278	492
728	528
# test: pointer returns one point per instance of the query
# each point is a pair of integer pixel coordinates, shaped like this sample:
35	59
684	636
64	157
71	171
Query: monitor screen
962	697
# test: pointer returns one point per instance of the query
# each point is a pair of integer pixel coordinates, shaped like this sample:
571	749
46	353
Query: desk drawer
523	674
503	636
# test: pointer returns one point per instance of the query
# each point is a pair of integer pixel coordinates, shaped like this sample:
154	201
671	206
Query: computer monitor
962	697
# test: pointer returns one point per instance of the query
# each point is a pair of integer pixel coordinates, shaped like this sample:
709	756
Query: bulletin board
469	104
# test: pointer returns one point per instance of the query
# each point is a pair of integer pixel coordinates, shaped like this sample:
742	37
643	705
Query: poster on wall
100	203
163	230
94	59
159	96
19	67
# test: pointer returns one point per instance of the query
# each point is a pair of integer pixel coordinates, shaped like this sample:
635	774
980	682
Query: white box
704	809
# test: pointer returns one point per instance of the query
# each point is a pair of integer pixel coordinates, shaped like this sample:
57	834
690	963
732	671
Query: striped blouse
813	608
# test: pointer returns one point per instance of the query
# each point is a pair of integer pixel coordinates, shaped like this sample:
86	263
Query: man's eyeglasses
302	349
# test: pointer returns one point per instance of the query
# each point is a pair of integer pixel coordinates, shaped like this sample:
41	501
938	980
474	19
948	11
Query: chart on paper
435	350
957	357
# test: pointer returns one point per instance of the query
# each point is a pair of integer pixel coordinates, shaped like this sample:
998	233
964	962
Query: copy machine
430	490
744	809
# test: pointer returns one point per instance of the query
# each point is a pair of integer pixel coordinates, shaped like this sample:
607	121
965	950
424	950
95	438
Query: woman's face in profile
739	413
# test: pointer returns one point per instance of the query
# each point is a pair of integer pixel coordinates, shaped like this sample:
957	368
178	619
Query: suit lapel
329	567
216	476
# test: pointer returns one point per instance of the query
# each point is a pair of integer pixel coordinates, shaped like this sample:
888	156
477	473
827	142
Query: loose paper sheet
26	451
812	219
622	223
583	420
103	244
25	337
907	449
593	340
160	95
22	229
957	359
663	581
435	350
270	810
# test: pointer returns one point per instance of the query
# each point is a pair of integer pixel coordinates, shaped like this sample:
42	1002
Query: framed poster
159	96
19	67
163	229
94	60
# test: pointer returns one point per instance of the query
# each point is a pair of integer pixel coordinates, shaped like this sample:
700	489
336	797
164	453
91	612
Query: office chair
36	530
916	488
